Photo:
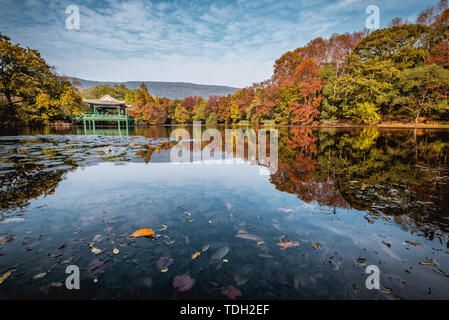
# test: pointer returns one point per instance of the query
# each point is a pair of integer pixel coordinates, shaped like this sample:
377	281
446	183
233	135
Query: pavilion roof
105	100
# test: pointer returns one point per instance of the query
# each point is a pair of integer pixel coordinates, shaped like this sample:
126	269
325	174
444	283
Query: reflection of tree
297	168
149	150
390	172
24	184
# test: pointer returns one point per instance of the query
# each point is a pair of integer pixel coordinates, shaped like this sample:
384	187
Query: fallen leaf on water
412	243
361	260
190	220
55	255
248	236
205	248
169	243
96	238
231	292
164	227
195	255
442	272
95	250
6	275
40	275
219	254
183	282
142	233
163	263
316	245
288	244
429	264
260	243
95	267
385	289
7	238
56	284
116	251
241	232
225	260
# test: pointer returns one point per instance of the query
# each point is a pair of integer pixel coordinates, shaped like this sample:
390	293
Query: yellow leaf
6	275
429	264
164	270
241	232
316	245
225	260
260	243
95	250
142	233
195	255
116	251
413	243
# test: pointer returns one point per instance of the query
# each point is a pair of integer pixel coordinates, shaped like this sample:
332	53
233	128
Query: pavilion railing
102	117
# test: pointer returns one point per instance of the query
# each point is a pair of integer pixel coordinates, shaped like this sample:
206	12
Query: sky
220	42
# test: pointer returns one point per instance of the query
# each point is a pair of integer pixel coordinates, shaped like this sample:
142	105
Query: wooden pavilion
104	111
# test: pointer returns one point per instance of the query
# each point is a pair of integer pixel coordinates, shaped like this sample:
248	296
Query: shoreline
389	125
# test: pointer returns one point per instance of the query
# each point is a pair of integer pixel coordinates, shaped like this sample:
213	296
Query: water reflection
381	179
392	172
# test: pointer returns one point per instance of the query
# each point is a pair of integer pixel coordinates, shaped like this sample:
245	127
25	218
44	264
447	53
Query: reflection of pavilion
104	111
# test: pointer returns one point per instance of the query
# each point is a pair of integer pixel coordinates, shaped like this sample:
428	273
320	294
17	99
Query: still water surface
350	197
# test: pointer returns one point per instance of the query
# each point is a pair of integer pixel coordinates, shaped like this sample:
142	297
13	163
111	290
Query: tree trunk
12	111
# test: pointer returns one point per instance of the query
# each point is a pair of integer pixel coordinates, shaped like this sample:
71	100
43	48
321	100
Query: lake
339	200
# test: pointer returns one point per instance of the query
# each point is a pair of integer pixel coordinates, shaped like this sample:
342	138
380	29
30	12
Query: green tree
329	110
199	110
424	90
212	118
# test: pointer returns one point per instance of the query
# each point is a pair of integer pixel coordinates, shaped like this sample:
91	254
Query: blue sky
231	42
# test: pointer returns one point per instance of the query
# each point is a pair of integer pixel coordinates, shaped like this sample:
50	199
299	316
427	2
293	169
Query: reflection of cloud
223	42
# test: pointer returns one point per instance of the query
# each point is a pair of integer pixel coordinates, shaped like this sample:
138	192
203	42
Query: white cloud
230	43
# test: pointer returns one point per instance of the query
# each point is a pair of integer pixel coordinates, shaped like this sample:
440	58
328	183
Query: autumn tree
30	90
305	110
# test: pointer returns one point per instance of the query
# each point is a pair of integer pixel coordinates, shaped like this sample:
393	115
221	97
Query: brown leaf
288	244
6	275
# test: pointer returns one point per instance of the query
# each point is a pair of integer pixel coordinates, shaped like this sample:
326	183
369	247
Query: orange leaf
142	233
195	255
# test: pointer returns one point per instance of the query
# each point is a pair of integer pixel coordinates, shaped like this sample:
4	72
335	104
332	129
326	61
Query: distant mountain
172	90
